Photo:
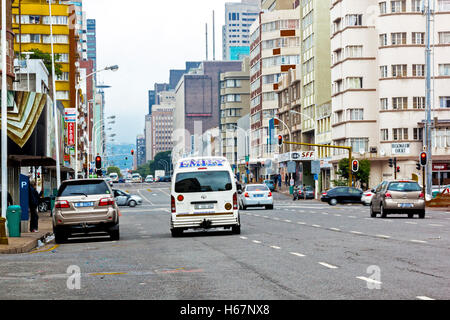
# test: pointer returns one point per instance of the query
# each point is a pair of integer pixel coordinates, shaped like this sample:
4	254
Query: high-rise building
34	33
236	31
197	105
92	41
234	104
275	49
140	150
378	80
176	74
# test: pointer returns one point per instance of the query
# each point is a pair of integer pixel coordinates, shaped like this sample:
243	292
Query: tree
362	175
114	169
47	59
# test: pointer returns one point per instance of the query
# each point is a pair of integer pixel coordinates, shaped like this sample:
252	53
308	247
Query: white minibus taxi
204	195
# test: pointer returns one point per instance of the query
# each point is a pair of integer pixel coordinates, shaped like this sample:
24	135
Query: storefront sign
71	133
440	167
400	148
298	156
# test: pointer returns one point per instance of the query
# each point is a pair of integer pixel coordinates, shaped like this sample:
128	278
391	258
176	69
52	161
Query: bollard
3	238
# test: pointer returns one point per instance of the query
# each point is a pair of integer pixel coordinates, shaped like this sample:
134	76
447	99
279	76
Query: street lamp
111	68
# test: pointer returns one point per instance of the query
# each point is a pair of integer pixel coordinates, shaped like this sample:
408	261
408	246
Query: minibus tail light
235	202
172	205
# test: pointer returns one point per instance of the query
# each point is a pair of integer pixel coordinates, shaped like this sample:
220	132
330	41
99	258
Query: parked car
398	197
303	193
256	195
270	185
149	179
125	199
342	195
83	206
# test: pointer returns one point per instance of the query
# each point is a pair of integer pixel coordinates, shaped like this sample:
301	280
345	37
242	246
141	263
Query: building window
384	136
353	20
356	114
399	103
383	72
398	6
400	134
444	5
62	95
353	51
399	70
355	83
359	144
384	104
444	37
418	70
383	40
383	9
63	77
441	137
444	102
418	134
418	37
444	69
416	6
418	102
398	38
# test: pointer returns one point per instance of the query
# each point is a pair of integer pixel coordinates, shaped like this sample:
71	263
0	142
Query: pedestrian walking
33	201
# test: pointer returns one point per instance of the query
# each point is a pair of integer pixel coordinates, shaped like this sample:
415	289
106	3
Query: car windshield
89	187
257	188
206	181
404	186
309	188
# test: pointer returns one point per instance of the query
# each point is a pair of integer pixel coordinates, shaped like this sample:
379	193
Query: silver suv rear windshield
79	188
203	181
404	186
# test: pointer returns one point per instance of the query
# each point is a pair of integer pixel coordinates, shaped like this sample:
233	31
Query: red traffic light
423	159
98	162
280	140
355	165
132	152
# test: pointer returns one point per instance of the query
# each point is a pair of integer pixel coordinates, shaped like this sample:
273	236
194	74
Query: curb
29	246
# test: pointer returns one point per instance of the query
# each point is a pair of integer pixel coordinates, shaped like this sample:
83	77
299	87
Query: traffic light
132	152
355	165
423	159
398	169
391	163
98	162
418	166
280	140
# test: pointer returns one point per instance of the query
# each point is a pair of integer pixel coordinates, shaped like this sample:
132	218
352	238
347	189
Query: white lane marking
353	217
337	215
436	225
418	241
287	221
139	191
301	222
335	229
276	219
256	215
424	298
382	236
297	254
325	213
316	225
256	241
275	247
411	222
356	232
243	238
327	265
369	280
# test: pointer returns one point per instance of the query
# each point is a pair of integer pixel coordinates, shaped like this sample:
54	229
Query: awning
24	110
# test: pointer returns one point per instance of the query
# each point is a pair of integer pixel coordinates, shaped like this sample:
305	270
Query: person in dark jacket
33	201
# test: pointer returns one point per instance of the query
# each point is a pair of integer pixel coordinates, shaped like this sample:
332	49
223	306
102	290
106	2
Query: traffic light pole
349	149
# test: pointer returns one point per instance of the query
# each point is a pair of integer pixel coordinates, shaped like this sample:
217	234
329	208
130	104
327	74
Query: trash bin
13	216
291	189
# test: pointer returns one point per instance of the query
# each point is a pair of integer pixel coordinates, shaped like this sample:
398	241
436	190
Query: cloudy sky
147	38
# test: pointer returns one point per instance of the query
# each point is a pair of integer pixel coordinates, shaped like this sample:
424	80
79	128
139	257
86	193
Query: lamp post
112	68
246	144
4	136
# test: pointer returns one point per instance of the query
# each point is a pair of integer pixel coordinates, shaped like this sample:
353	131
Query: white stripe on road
418	241
287	221
256	241
139	191
275	247
301	222
297	254
356	232
382	236
369	280
244	238
411	222
316	225
327	265
436	225
424	298
335	229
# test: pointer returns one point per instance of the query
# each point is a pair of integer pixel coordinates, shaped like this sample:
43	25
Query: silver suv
83	206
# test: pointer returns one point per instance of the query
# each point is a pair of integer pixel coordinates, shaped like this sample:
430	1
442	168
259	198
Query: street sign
291	167
316	177
315	167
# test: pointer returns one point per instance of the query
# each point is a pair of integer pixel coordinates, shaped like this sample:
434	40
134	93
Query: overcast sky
147	38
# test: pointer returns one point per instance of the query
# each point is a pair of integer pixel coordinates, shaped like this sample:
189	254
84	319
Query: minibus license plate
204	206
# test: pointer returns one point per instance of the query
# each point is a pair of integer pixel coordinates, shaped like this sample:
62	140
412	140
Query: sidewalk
28	241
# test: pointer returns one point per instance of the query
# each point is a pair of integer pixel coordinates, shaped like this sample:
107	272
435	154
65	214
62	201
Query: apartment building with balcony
274	50
378	80
234	104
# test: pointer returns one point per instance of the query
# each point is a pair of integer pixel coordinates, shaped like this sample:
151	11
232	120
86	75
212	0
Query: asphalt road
299	250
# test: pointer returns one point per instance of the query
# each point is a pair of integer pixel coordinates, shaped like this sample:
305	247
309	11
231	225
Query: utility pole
429	180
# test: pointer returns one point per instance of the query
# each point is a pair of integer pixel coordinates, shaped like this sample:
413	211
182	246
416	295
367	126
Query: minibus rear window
203	181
